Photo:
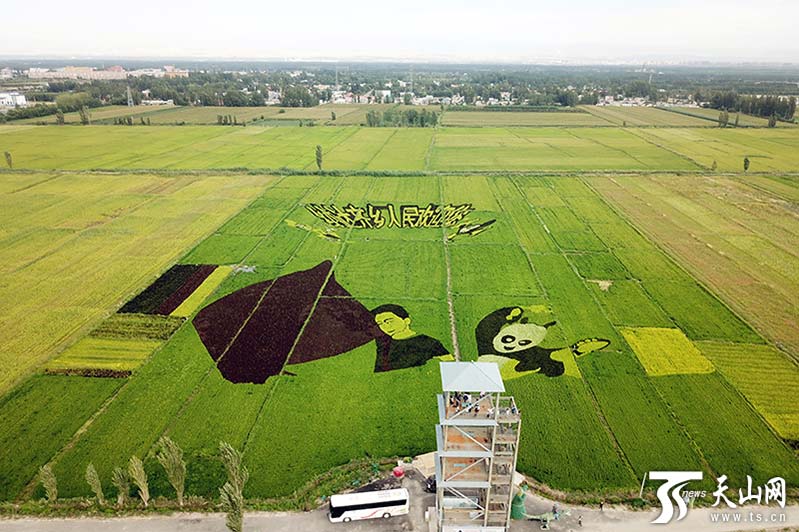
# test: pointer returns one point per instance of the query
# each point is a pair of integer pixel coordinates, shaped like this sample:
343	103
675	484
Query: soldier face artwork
400	346
393	325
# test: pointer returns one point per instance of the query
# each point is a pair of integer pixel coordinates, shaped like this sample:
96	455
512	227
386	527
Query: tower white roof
471	377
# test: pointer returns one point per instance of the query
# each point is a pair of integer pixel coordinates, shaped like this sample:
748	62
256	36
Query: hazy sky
465	30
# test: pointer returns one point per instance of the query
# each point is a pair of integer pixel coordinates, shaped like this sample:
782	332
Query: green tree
232	493
170	456
48	481
121	481
235	98
139	477
772	121
59	117
297	97
714	166
93	480
85	118
746	164
9	160
319	157
333	116
406	98
737	119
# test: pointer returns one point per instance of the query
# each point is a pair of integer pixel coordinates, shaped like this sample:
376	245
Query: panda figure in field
510	337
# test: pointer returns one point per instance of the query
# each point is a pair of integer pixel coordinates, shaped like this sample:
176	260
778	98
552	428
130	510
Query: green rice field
621	234
444	149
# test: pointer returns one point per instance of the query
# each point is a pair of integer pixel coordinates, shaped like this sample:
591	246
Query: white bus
368	505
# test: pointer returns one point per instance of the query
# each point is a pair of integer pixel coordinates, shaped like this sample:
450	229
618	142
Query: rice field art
322	307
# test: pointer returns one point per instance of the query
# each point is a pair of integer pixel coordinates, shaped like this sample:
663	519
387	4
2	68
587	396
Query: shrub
48	481
139	476
170	456
232	493
121	481
93	479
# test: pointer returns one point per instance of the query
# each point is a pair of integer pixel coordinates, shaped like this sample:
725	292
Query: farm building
12	99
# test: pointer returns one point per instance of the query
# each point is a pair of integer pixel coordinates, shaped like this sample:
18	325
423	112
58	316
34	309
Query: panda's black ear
550	324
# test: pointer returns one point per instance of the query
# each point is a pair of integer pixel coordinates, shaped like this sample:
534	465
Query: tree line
402	118
170	456
764	106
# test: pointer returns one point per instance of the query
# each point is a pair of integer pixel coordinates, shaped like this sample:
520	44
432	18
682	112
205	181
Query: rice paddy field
442	149
111	281
646	116
101	114
510	118
713	115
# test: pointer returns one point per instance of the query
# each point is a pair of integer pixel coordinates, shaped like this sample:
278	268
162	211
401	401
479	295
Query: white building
6	73
73	72
12	99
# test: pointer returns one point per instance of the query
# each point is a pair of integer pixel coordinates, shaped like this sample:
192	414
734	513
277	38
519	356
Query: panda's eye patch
508	339
525	342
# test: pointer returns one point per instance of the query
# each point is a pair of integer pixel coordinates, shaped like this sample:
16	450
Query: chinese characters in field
388	215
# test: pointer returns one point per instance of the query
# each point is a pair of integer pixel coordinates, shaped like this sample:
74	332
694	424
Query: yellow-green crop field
511	118
619	234
743	119
644	116
73	247
354	148
102	114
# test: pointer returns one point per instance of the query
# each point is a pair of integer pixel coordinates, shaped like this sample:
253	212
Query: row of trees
170	456
764	106
64	103
128	121
404	118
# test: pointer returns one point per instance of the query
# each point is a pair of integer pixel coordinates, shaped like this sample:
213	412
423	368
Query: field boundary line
430	148
379	150
675	152
344	139
609	147
453	328
32	185
27	491
589	110
292	172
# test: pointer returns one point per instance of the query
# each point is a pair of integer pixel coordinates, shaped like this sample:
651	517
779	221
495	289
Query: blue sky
467	30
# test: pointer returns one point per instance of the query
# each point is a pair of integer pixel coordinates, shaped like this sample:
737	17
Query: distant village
398	91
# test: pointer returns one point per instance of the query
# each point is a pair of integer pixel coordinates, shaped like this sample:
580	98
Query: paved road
611	520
